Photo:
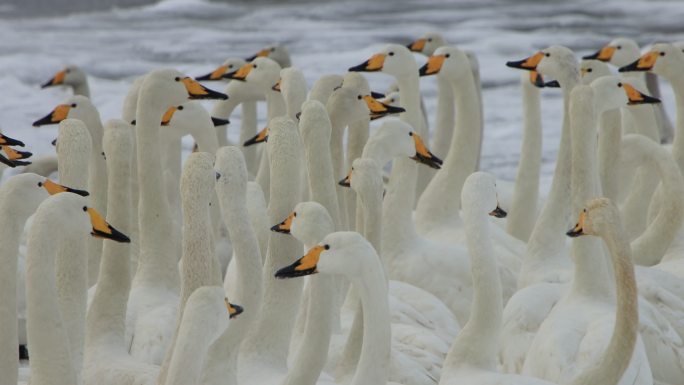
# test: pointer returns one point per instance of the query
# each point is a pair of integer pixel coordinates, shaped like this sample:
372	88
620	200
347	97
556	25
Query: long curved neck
523	211
223	109
10	233
371	201
610	135
97	186
337	156
397	221
433	206
248	128
158	259
548	233
82	88
357	137
614	361
373	365
590	270
409	95
678	143
51	356
477	343
444	121
322	184
275	104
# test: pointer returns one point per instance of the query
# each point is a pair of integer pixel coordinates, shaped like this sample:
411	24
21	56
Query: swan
81	108
244	285
20	195
324	86
60	219
350	255
154	290
444	119
262	357
275	52
229	65
71	76
13	158
558	352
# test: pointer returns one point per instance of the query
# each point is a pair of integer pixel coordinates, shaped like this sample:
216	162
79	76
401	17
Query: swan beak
379	109
284	226
552	84
262	53
579	227
233	309
536	79
102	229
168	115
216	74
346	182
7	162
53	188
373	64
219	122
377	95
60	113
498	212
417	46
241	73
604	54
15	155
56	80
644	63
635	97
262	136
527	64
433	65
423	155
7	141
198	91
276	87
305	265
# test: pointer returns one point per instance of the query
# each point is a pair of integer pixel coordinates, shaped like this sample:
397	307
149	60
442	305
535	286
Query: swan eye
619	47
327	247
359	97
391	53
547	54
662	54
230	66
584	209
273	49
429	40
619	84
177	78
447	55
104	156
294	214
73	105
590	70
85	208
67	70
254	66
180	108
411	133
40	184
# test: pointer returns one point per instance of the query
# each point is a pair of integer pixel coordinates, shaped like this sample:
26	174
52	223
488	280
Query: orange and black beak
579	227
379	109
423	155
635	97
262	136
604	54
168	115
198	91
102	229
305	265
219	122
16	156
644	63
417	46
56	80
276	87
7	141
433	65
241	73
262	53
7	162
54	188
60	113
375	63
536	79
498	212
346	182
284	226
233	309
529	63
216	74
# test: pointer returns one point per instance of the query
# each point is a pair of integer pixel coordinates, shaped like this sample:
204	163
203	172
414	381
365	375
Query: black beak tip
423	71
277	229
499	212
573	234
377	95
359	68
219	122
47	84
344	183
82	193
552	84
593	56
238	310
203	77
251	58
634	66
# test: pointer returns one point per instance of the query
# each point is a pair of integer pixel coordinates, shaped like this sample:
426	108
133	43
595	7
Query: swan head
75	107
680	45
479	194
662	59
342	253
260	137
350	104
30	190
309	222
448	61
428	43
71	75
324	87
71	214
365	177
292	85
596	218
262	72
164	88
232	171
198	179
275	52
619	52
555	61
394	59
184	118
395	138
228	66
612	92
591	70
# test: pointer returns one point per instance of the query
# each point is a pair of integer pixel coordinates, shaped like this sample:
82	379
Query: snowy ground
323	37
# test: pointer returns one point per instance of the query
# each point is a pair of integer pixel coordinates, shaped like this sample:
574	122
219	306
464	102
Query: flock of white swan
298	257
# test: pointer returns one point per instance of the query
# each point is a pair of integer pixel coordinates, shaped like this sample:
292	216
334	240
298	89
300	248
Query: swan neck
678	143
397	222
